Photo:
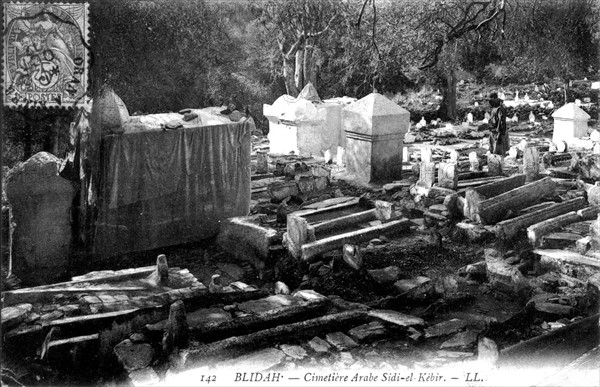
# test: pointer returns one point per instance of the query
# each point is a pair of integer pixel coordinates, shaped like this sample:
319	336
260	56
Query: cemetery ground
441	290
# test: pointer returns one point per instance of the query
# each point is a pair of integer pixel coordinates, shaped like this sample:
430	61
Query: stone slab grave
493	202
315	231
74	316
375	129
570	123
109	291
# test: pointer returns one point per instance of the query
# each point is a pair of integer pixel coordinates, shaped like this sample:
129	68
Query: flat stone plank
319	345
386	275
295	351
406	285
278	301
464	339
308	295
454	354
553	309
396	318
331	202
368	331
445	328
256	361
340	341
567	256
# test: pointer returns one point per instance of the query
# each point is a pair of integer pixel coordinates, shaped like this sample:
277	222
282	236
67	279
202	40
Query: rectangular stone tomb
375	129
313	232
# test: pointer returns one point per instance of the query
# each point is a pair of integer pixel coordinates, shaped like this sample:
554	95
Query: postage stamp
45	54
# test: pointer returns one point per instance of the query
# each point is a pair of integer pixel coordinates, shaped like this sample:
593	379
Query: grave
305	125
570	122
311	232
375	129
41	203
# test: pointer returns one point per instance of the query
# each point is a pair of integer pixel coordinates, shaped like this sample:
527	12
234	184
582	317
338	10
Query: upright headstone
454	156
262	164
570	122
474	161
41	203
448	175
595	234
531	164
426	174
375	128
495	164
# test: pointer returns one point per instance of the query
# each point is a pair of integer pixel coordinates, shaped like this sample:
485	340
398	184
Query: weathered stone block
375	128
133	356
246	229
503	276
340	341
41	203
386	275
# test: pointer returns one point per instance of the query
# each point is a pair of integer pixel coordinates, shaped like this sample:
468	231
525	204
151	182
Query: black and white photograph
300	193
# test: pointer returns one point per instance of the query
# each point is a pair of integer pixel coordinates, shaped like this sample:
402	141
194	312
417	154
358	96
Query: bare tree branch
375	31
362	11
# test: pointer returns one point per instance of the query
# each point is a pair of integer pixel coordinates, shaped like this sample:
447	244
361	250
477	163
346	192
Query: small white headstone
474	160
426	155
531	117
476	104
447	175
531	163
423	122
453	156
470	118
513	152
495	164
595	85
426	174
595	135
522	145
515	118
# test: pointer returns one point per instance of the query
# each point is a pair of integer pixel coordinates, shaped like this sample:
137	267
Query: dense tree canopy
162	55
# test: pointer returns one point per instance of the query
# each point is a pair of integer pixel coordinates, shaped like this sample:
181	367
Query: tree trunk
288	75
310	71
447	109
299	73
